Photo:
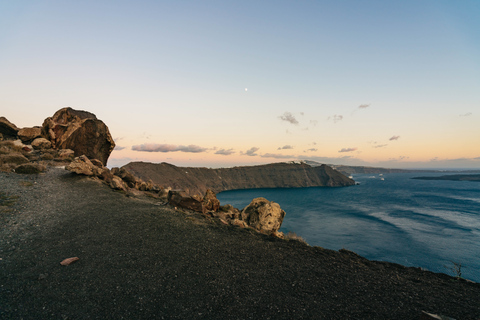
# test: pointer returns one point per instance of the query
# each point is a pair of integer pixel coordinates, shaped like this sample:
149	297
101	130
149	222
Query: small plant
456	269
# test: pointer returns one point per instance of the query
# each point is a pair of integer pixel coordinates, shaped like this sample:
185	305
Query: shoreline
139	259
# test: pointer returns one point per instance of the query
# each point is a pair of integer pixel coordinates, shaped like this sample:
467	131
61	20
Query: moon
246	89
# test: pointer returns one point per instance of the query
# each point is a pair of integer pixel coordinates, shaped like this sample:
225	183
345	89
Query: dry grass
294	236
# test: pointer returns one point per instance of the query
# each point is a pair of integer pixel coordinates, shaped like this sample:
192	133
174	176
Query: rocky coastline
204	260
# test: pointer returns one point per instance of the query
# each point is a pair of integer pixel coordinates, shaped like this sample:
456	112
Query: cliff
275	175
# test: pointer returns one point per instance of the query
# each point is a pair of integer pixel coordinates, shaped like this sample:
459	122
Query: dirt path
141	260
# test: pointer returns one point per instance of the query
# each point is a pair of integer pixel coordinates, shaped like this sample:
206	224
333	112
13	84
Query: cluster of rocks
82	143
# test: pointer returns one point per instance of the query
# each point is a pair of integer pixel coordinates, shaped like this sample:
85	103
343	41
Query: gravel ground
143	260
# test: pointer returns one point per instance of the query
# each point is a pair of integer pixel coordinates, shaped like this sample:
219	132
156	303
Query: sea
430	224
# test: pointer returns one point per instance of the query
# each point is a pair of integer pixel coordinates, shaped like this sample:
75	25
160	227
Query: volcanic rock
41	143
7	128
116	183
81	132
263	215
29	134
210	201
30	168
81	165
65	154
181	199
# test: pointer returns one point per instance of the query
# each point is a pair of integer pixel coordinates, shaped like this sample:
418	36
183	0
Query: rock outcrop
7	129
275	175
27	135
81	132
263	215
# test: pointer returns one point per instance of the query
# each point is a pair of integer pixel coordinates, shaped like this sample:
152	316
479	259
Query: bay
431	224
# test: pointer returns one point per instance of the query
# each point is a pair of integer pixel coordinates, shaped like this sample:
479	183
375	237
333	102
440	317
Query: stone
65	154
29	134
69	261
239	223
126	176
41	143
14	158
117	183
1	137
181	199
230	212
263	215
7	128
30	168
81	132
431	316
97	163
81	165
210	201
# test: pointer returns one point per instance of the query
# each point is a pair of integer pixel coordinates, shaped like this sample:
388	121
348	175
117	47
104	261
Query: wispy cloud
363	106
311	150
348	149
336	118
314	122
394	138
225	152
277	156
466	114
153	147
118	148
285	147
251	152
380	145
287	116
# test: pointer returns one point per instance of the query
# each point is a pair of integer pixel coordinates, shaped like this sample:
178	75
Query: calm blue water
417	223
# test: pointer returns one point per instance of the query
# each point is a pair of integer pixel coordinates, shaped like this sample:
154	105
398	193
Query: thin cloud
314	122
286	147
468	114
394	138
118	148
287	116
277	156
348	149
363	106
311	150
380	145
225	152
153	147
336	118
251	152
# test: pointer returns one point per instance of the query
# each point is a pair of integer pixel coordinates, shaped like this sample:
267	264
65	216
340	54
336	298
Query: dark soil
143	260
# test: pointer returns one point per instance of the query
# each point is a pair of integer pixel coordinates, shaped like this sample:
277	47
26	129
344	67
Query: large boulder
263	215
41	143
180	198
29	134
7	129
81	132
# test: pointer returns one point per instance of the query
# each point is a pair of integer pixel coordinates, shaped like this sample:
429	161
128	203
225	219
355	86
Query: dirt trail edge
142	260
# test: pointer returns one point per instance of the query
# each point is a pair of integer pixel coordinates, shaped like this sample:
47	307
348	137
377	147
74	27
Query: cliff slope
275	175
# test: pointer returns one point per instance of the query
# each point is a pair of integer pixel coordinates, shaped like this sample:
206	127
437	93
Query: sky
226	83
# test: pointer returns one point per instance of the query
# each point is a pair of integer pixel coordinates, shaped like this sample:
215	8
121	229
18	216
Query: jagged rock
29	134
30	168
210	201
97	163
239	223
230	212
7	128
126	176
65	154
13	158
117	183
81	132
41	143
81	165
263	215
181	199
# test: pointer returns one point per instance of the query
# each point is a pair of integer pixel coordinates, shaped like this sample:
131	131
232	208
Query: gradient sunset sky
224	83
